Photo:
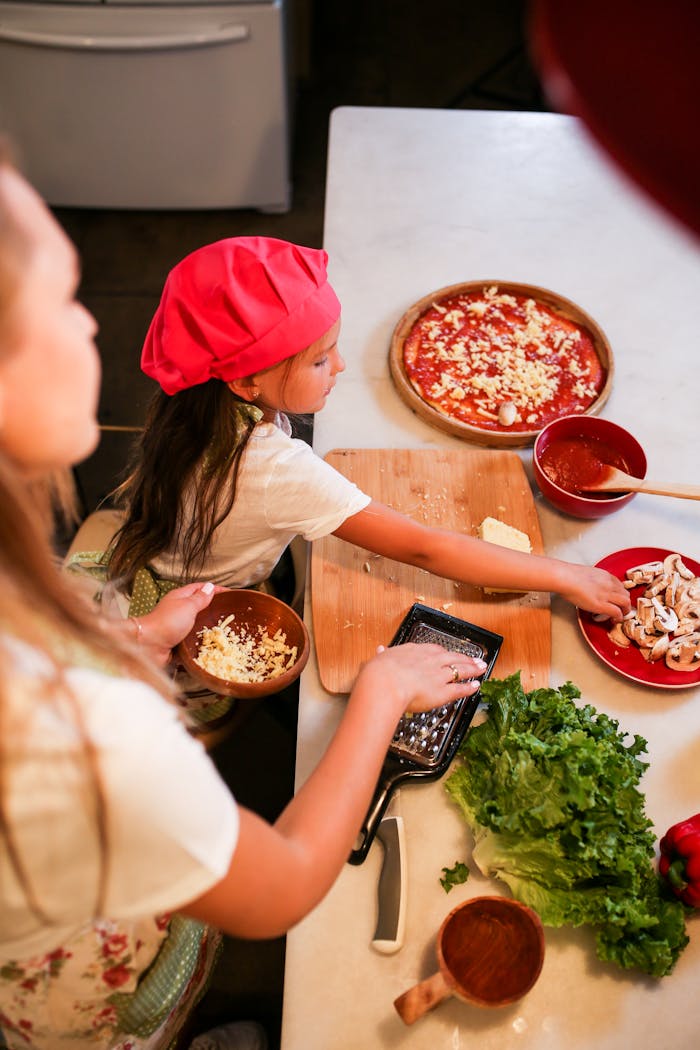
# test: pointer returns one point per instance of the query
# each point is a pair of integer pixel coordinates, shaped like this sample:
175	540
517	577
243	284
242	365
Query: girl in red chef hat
245	336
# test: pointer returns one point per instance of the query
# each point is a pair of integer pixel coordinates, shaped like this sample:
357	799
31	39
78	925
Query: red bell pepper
679	863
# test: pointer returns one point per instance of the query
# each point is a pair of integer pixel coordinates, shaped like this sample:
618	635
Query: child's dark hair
199	436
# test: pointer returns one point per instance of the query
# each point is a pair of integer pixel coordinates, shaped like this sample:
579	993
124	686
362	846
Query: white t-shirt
172	824
284	490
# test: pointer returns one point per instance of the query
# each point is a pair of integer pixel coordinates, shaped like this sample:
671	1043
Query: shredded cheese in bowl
237	656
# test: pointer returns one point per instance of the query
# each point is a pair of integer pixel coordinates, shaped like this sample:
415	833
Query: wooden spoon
611	479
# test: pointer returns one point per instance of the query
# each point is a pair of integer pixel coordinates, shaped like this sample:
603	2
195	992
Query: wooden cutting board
359	599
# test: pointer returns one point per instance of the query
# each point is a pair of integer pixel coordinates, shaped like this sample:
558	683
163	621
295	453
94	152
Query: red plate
630	662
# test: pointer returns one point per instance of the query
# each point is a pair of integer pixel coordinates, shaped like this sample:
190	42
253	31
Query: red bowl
615	437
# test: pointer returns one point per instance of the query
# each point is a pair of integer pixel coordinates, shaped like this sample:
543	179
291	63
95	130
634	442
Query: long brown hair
192	443
39	605
182	476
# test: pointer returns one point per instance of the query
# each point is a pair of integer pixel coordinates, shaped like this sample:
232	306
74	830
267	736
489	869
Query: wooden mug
490	952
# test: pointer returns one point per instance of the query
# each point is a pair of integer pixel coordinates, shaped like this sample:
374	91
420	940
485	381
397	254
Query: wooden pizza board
359	599
506	438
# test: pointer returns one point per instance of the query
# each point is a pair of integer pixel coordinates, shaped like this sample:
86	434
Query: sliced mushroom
684	655
507	413
646	613
674	563
636	632
688	609
665	623
665	619
646	572
657	585
618	637
672	589
659	648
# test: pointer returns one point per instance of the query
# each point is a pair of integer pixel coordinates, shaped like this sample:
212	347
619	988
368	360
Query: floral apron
115	985
122	986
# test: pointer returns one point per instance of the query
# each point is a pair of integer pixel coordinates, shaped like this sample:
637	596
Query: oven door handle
228	33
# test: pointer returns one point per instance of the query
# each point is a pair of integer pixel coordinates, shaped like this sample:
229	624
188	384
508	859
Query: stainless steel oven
149	105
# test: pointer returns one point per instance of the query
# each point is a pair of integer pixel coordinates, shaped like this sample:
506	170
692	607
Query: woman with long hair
122	853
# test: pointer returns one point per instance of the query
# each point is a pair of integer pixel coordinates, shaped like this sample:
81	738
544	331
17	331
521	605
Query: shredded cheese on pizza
501	361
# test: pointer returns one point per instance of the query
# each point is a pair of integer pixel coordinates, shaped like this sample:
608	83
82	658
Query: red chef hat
235	307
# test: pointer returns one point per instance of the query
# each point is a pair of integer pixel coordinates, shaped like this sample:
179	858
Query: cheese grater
424	744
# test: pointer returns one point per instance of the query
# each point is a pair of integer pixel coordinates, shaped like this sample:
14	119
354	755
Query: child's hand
597	591
423	676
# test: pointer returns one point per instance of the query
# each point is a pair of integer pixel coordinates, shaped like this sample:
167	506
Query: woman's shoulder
41	690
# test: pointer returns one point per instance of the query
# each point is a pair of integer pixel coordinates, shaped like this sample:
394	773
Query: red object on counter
630	71
573	463
237	307
576	430
680	860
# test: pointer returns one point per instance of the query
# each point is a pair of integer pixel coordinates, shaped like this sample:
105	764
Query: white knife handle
391	896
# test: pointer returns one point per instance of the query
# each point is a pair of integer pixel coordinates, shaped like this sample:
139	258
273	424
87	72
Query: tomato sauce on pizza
501	362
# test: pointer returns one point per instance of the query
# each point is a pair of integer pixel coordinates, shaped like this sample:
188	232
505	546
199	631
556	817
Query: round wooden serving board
504	438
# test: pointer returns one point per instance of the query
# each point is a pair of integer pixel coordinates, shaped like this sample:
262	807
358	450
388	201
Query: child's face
302	385
49	367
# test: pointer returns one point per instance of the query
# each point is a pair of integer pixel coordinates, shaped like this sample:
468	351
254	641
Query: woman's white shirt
171	822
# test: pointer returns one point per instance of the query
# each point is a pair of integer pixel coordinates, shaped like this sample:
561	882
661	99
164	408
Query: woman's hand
596	590
173	618
420	676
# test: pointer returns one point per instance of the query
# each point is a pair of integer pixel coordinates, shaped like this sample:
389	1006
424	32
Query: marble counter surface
420	199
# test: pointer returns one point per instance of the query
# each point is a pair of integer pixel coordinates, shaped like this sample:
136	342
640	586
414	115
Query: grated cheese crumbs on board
236	656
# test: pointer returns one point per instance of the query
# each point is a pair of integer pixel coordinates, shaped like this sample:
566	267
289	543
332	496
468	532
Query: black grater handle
375	812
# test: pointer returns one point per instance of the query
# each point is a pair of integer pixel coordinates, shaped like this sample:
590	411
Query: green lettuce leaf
454	876
550	792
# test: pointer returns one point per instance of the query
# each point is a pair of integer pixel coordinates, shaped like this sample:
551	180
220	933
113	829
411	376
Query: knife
391	891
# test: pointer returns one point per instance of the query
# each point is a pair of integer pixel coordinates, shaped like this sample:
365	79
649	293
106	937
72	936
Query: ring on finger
455	673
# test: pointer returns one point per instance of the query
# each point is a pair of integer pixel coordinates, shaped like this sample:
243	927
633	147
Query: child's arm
279	873
469	560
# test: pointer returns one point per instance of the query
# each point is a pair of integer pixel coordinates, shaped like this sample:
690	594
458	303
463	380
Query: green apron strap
169	979
148	587
147	591
89	563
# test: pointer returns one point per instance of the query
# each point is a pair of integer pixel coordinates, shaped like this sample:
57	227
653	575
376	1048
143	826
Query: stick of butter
494	531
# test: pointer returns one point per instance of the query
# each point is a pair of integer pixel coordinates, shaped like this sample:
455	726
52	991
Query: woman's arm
456	556
279	873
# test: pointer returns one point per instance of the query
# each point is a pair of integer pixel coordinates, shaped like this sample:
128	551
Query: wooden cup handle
422	997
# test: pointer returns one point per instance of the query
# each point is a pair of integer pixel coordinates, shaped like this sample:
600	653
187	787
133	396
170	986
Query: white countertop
420	199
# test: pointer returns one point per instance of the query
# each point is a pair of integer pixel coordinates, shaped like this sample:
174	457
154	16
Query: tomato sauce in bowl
571	452
572	463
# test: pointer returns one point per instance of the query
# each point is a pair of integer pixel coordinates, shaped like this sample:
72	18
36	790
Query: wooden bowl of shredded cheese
246	644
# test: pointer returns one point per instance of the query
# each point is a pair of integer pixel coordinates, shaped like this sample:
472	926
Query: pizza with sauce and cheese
503	362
